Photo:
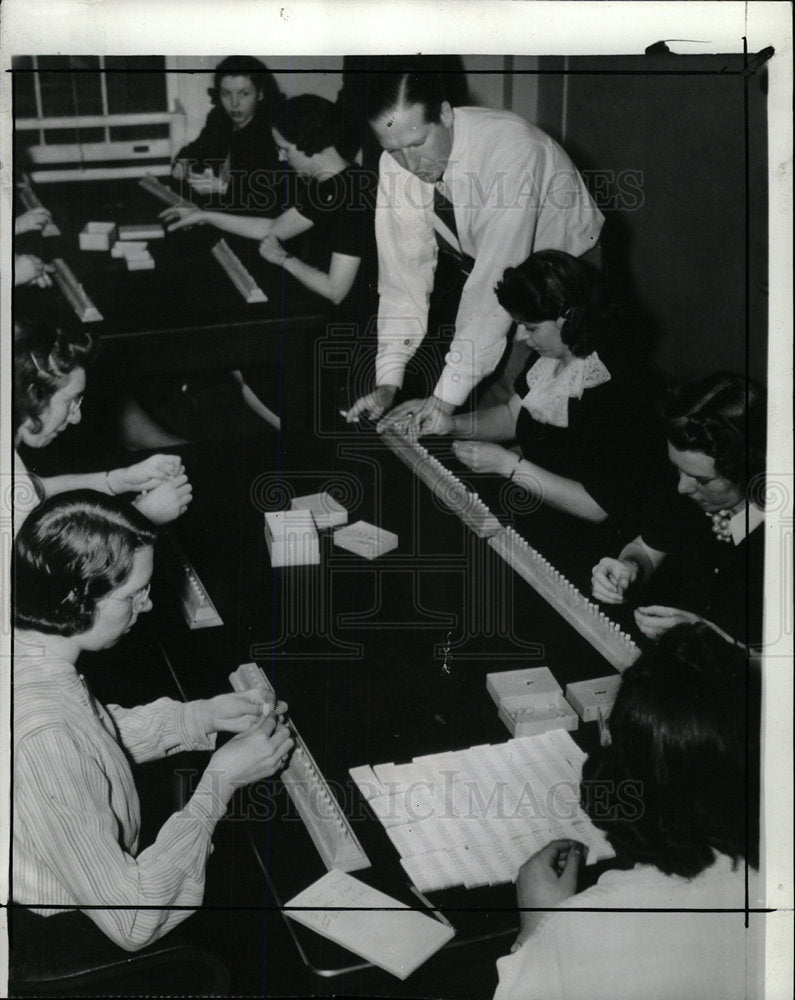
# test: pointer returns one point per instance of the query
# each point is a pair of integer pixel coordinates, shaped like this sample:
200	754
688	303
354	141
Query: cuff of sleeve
207	805
389	370
453	387
191	731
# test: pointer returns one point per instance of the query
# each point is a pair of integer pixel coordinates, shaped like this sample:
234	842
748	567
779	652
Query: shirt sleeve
160	729
406	268
69	823
528	197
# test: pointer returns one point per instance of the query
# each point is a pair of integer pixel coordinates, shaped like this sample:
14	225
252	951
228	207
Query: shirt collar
737	523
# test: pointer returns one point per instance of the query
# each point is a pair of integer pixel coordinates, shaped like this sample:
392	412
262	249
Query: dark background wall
662	141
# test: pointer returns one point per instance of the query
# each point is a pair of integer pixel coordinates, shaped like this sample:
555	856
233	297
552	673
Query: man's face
419	146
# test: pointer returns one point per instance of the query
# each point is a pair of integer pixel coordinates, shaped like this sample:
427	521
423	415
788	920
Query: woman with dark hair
233	161
675	792
716	430
49	383
336	204
582	433
82	569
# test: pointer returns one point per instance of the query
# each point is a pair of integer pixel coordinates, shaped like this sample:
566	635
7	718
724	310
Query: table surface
379	661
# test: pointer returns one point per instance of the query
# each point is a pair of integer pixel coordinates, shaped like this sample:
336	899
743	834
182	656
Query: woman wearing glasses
82	568
49	383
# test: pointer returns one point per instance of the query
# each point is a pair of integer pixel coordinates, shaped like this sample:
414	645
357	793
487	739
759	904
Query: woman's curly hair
723	416
71	552
43	356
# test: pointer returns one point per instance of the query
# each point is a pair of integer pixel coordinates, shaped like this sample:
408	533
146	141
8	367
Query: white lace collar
549	393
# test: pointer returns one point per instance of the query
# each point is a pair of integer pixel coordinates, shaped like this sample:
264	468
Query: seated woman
670	792
233	161
336	204
584	436
716	445
49	382
82	568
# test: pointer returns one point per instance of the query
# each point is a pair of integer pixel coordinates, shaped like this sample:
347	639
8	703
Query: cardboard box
365	539
590	698
97	236
291	538
325	510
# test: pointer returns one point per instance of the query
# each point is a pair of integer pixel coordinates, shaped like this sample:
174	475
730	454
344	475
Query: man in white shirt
511	190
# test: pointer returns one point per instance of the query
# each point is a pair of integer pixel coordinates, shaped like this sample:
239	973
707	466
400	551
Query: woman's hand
273	251
655	621
612	578
373	405
257	753
36	218
182	217
31	270
237	712
206	183
167	501
545	880
483	456
145	475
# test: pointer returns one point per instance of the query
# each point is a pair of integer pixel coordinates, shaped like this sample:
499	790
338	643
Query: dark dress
609	446
342	211
258	183
720	581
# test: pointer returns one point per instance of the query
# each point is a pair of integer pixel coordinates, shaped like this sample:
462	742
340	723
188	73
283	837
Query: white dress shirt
514	192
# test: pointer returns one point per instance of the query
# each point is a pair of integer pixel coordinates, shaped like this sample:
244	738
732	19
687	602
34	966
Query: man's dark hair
407	80
71	552
670	790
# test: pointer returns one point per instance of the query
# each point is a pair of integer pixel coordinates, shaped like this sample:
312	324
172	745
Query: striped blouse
77	814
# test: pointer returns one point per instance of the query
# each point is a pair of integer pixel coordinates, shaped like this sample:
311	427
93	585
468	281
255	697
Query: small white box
129	248
291	538
97	236
149	231
592	698
517	688
140	262
365	539
550	712
326	511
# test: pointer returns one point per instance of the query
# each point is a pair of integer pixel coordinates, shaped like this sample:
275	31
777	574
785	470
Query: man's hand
612	578
373	405
544	881
482	456
418	417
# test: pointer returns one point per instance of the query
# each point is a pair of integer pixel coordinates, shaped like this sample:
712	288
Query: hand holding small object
654	621
545	880
36	218
167	501
31	270
206	183
272	250
611	578
417	418
373	405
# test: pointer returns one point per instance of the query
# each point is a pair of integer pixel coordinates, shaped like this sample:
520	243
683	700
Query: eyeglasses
137	600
